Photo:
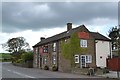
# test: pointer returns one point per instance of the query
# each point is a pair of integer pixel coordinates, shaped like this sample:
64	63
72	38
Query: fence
113	64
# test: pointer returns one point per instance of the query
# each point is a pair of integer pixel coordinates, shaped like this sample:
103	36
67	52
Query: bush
27	56
46	67
54	68
105	70
19	61
13	59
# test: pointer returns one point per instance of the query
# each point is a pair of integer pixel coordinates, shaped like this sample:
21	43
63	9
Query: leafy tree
114	34
16	45
27	56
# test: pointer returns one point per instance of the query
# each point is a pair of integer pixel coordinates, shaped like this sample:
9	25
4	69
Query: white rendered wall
102	52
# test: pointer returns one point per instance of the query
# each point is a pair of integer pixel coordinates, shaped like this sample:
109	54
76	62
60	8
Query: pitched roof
68	34
99	36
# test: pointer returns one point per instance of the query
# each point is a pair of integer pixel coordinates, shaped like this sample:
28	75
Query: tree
114	34
16	45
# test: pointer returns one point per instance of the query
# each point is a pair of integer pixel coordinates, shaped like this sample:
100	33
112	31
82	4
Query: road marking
9	70
29	76
20	74
17	73
23	74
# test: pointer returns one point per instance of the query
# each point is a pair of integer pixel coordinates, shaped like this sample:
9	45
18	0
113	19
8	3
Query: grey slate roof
99	36
66	34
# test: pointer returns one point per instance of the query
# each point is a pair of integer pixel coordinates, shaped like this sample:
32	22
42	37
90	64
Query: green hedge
27	56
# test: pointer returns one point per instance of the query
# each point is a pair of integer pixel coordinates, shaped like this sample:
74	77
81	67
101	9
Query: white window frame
54	47
83	43
44	60
77	59
36	50
54	59
88	59
45	49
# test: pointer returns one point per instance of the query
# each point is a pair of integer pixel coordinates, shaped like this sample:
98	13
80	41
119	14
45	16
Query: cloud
32	37
19	16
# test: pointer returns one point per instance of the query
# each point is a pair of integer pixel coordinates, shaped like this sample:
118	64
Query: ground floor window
85	59
54	59
88	59
76	58
44	60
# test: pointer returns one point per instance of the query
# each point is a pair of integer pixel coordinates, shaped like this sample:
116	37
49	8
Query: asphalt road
11	71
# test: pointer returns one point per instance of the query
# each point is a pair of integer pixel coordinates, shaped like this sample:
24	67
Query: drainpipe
110	50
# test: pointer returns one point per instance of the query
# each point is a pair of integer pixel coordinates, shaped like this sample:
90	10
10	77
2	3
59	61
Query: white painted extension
103	49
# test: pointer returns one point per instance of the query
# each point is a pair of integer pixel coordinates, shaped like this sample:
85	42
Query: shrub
54	68
19	61
27	56
105	70
46	67
13	59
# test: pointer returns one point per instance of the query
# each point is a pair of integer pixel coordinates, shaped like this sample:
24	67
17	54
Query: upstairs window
54	47
83	43
45	49
36	50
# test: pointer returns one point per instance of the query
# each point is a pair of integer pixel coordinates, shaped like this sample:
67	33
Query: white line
23	74
9	70
29	76
20	74
17	73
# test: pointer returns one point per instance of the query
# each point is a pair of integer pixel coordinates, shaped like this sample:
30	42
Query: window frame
83	43
54	46
88	58
45	49
54	59
77	60
44	60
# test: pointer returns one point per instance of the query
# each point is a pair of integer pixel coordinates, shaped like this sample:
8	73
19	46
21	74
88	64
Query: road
11	71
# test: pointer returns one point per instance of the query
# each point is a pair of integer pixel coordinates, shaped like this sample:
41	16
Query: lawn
5	57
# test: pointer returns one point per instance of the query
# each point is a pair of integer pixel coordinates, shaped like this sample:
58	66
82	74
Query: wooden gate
113	64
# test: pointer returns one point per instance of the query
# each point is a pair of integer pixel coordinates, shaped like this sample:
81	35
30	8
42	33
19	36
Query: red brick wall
113	64
41	50
83	35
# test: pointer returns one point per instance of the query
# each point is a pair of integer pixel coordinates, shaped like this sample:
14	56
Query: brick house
48	51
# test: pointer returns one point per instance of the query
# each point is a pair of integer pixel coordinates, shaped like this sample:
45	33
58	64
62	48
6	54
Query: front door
83	61
40	63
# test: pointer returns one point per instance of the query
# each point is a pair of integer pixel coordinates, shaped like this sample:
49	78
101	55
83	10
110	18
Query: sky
33	19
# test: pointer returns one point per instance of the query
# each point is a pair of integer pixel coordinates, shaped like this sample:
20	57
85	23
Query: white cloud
60	0
31	37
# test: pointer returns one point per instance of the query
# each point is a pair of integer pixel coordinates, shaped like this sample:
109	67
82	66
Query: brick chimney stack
69	26
42	38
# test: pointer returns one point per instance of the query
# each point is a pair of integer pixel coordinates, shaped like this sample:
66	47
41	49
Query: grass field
5	57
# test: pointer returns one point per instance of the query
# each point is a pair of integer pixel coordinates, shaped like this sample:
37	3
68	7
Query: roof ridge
63	32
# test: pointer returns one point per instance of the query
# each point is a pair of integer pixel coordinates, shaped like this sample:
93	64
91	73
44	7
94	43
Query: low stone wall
27	64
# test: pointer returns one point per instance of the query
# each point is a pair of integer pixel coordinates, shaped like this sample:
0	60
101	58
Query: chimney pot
69	26
42	38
